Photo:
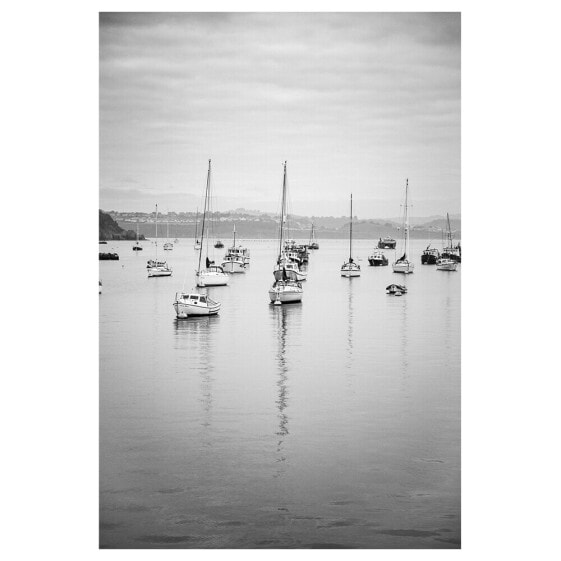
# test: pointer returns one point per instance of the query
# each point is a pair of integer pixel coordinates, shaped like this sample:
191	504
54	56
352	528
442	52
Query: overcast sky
354	102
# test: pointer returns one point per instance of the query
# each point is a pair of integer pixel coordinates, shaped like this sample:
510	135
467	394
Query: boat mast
351	233
137	231
282	210
196	224
449	230
406	220
156	234
234	236
204	217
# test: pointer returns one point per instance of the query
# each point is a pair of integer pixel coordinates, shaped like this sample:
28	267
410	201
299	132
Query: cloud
361	100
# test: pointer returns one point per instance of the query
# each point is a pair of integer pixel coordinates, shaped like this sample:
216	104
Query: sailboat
350	268
286	287
233	261
453	252
168	246
197	245
403	265
313	244
158	268
447	261
137	246
211	275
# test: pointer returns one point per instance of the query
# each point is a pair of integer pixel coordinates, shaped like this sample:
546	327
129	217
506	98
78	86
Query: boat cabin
396	288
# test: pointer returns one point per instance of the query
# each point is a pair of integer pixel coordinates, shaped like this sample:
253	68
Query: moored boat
378	259
350	268
430	256
403	265
156	267
444	264
212	275
286	287
386	243
189	304
396	289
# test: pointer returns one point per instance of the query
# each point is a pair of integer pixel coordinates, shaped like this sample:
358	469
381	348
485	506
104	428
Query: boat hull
403	267
376	262
386	245
159	272
285	295
449	266
233	267
213	279
350	274
427	259
184	310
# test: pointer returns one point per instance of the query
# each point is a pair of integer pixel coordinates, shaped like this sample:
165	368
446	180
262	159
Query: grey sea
334	423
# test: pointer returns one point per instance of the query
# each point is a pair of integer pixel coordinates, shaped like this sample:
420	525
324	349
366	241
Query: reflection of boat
158	268
378	259
286	287
403	265
350	268
211	275
386	243
430	256
396	289
444	264
137	246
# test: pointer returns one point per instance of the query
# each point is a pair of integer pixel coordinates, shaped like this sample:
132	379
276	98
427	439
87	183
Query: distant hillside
110	230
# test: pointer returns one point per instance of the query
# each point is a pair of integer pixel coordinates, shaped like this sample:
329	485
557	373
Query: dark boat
430	256
109	257
386	243
396	289
102	241
137	247
218	244
312	244
378	259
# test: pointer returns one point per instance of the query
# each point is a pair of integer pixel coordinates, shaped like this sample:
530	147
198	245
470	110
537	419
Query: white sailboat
168	246
211	275
403	265
233	261
350	268
158	268
137	246
286	287
197	245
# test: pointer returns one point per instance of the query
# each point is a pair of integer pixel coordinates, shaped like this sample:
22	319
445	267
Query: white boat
286	287
234	260
403	265
157	268
233	264
212	275
168	246
445	264
396	289
350	268
188	304
292	266
313	244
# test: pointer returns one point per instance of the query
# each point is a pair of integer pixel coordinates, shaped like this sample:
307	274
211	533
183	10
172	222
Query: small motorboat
218	244
102	242
396	289
190	304
445	264
386	243
168	246
378	259
109	257
430	256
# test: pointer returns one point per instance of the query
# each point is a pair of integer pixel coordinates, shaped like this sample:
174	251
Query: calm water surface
331	423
